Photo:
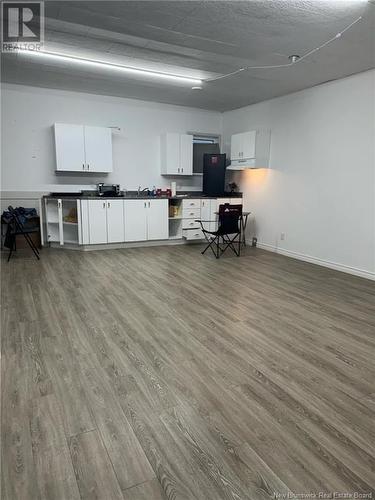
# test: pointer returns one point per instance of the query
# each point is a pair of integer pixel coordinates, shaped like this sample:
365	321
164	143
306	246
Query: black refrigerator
214	166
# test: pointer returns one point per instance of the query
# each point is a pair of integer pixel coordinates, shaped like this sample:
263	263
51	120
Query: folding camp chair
228	231
16	227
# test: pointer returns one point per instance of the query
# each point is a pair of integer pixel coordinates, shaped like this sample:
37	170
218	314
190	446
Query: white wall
320	189
28	157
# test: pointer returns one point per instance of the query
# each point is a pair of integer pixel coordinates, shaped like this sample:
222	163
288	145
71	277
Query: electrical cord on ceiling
293	62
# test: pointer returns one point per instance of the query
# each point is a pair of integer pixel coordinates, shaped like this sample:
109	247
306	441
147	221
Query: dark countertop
130	195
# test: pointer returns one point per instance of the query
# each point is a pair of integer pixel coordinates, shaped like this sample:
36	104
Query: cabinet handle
109	205
145	204
149	204
103	204
59	204
182	169
83	166
178	170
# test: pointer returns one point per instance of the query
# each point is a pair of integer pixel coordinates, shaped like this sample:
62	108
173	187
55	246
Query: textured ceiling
202	39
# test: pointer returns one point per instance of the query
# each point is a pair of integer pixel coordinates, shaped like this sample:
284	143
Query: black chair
16	227
229	229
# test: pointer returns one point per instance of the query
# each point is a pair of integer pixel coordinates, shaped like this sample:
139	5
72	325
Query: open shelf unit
62	221
70	226
175	219
52	221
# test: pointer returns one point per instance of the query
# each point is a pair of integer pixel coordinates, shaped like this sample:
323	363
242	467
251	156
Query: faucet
141	190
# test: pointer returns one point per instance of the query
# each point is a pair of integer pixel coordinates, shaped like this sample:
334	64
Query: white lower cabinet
135	220
191	212
146	220
208	214
157	220
119	221
97	218
102	221
115	221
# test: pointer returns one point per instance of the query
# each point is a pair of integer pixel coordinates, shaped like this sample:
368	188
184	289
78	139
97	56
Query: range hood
243	164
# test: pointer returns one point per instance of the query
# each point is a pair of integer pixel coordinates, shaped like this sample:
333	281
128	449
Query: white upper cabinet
176	154
98	149
170	154
81	148
236	147
70	147
250	150
243	145
248	144
186	154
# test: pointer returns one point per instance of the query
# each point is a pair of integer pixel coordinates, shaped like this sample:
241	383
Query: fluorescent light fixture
57	56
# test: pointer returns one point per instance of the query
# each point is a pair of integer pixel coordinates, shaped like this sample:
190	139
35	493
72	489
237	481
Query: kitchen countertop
134	196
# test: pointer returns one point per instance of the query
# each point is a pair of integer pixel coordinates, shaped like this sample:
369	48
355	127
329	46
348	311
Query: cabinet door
170	157
236	147
85	227
135	218
98	149
60	217
157	219
248	144
208	213
115	221
186	154
70	150
97	221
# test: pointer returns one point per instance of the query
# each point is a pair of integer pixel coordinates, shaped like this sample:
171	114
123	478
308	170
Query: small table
244	217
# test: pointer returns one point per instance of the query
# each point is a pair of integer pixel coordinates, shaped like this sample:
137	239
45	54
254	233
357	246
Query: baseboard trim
320	262
117	246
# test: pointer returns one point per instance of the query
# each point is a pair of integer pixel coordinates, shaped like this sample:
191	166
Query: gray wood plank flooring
158	373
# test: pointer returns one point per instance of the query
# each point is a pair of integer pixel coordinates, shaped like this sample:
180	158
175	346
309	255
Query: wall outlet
282	236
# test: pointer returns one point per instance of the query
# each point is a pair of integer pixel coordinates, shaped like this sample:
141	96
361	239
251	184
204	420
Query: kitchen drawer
191	204
191	213
193	234
190	224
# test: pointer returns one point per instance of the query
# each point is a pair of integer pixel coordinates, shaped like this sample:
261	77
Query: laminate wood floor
158	373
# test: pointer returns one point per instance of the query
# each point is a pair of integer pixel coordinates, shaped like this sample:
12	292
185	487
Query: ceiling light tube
112	66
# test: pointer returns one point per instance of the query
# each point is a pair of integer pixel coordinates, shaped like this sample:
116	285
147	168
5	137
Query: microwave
108	189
